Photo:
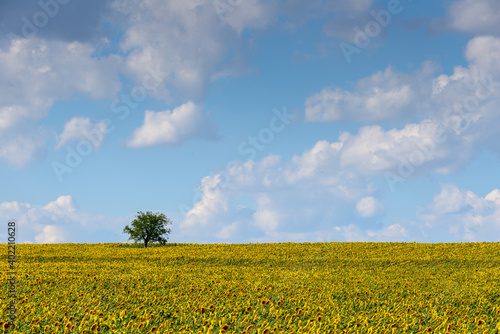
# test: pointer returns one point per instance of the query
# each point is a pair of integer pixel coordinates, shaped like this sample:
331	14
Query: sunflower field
255	288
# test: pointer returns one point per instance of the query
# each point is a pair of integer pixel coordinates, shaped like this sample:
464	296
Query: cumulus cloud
368	206
212	202
325	187
330	187
21	145
483	53
265	218
422	148
195	42
35	74
467	100
188	40
383	96
463	215
460	106
50	234
61	221
188	44
395	96
80	128
394	232
173	127
289	198
471	16
450	200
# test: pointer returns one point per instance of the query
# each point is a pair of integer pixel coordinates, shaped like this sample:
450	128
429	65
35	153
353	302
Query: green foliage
149	227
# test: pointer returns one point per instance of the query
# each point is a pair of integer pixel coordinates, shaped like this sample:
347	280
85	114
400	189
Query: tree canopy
149	227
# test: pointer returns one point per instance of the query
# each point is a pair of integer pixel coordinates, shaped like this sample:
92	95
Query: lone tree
149	227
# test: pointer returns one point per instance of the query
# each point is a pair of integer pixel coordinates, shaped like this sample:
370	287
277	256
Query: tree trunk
145	243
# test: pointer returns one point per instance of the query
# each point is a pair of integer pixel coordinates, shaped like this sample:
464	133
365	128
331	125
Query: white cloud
212	201
395	96
35	74
380	97
394	232
290	197
483	53
450	200
62	206
173	127
227	232
321	156
328	185
494	196
50	234
194	42
458	112
21	145
325	187
185	42
265	218
188	41
62	221
474	16
320	188
467	100
373	150
463	215
368	207
80	128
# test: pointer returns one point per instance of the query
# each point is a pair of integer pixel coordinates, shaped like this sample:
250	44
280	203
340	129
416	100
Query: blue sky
251	121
